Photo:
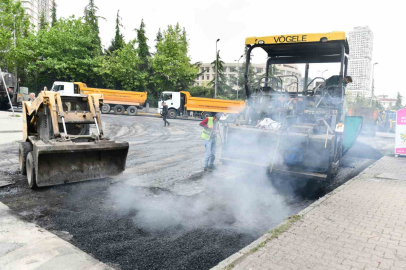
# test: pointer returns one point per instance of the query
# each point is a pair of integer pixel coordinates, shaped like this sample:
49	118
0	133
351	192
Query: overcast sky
234	20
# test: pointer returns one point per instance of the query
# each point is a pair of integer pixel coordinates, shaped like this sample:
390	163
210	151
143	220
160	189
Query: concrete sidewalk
11	128
360	225
23	245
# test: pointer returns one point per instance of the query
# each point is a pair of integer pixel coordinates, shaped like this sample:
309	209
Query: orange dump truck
184	105
117	100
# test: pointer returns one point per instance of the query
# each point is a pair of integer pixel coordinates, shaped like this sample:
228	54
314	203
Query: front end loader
57	146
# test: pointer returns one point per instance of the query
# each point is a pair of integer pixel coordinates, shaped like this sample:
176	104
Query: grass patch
16	115
275	233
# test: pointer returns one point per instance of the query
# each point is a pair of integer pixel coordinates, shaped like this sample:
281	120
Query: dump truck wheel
206	114
25	148
105	108
31	175
119	109
132	110
172	113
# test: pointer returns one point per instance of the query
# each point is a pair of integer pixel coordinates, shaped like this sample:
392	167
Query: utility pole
215	84
238	72
373	85
15	68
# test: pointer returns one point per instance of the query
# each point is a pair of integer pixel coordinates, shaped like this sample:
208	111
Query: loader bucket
65	162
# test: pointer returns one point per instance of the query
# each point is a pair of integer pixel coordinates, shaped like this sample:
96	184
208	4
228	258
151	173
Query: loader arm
94	106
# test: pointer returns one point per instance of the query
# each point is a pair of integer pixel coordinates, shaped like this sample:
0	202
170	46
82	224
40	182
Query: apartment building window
202	77
208	77
208	69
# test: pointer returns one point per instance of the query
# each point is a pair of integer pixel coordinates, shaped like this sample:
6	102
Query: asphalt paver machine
312	132
57	145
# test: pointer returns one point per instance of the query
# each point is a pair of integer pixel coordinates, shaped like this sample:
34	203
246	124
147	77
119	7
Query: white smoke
247	204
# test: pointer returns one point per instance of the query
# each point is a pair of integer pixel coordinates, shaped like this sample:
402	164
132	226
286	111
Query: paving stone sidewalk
360	225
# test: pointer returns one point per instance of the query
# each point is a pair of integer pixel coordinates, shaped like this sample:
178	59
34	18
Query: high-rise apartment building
361	48
34	9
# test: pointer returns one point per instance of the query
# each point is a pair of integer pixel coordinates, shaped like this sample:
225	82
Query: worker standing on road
209	135
165	113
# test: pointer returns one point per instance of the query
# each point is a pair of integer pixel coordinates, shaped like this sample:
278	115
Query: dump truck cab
312	132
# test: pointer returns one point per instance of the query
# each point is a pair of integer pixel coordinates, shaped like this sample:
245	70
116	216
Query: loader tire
119	109
31	173
105	108
132	110
24	149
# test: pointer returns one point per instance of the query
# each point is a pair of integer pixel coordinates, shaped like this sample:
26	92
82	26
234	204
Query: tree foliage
13	18
92	20
65	52
223	89
122	69
399	101
70	50
118	41
171	63
43	24
53	14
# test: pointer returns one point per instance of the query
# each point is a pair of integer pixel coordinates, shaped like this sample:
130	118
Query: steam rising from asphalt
246	204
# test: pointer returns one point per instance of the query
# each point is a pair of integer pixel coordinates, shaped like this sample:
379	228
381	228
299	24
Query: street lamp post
322	72
215	84
238	69
373	85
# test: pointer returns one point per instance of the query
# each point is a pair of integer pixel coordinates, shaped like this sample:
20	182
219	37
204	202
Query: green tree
158	37
64	52
43	24
143	49
92	20
171	64
122	69
118	41
201	91
53	14
223	89
13	53
399	101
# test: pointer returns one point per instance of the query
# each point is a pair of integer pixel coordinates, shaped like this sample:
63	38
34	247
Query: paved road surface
163	212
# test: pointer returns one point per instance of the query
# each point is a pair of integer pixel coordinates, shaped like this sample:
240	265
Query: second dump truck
183	104
117	100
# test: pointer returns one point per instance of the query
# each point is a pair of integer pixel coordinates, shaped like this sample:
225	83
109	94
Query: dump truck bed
131	98
212	104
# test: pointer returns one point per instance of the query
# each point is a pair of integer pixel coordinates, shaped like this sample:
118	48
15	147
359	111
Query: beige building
231	71
34	9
